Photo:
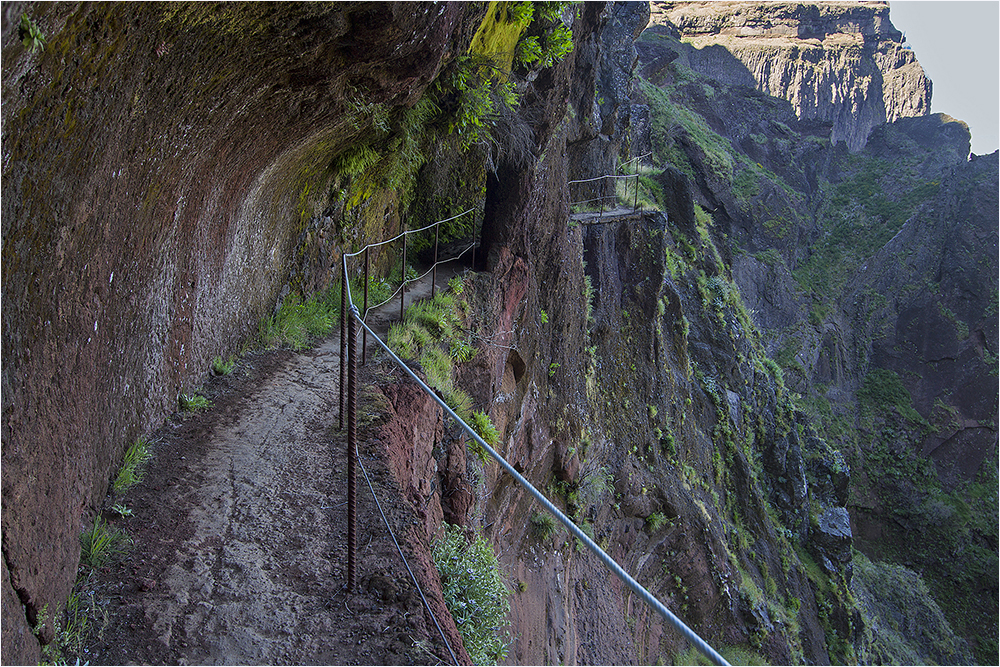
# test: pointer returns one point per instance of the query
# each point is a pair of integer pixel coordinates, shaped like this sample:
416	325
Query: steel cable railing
400	550
353	320
604	196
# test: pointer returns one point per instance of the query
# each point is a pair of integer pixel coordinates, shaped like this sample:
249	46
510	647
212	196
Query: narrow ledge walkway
240	530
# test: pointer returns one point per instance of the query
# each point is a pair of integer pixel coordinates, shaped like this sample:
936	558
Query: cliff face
841	62
860	270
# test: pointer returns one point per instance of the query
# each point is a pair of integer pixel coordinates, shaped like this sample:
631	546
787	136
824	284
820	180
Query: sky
958	45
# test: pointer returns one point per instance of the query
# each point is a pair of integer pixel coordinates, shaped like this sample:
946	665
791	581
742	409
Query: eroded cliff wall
841	62
160	165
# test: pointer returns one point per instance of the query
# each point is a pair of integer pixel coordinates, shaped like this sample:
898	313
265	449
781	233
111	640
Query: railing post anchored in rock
364	337
402	294
352	437
343	328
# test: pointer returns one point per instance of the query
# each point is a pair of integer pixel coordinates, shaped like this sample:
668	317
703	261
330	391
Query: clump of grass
79	624
475	593
297	322
460	402
220	367
655	521
543	525
431	334
437	366
194	402
133	466
101	543
483	426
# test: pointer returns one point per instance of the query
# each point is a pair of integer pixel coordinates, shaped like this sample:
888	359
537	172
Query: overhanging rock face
159	165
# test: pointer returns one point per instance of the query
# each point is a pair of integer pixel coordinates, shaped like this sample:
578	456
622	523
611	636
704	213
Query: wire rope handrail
400	550
406	232
614	198
577	532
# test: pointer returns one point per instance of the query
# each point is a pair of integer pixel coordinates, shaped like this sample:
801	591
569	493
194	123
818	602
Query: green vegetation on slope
475	592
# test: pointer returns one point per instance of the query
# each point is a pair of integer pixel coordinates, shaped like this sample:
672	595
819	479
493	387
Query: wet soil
240	531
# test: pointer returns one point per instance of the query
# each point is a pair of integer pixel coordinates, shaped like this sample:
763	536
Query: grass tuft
102	543
133	466
220	367
194	402
543	525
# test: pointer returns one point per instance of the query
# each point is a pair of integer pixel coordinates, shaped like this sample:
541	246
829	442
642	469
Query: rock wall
859	270
160	166
841	62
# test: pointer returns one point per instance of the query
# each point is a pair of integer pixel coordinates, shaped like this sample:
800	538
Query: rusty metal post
352	440
364	335
402	293
343	333
636	208
604	194
434	269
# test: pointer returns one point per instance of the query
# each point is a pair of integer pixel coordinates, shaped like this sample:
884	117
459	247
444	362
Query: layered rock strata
841	62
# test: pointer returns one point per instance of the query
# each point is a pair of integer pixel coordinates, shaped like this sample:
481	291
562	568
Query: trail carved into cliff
241	529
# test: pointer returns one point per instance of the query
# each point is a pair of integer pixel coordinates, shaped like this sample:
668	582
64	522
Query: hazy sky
958	45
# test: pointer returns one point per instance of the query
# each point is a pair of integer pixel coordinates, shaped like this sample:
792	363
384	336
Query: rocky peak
840	62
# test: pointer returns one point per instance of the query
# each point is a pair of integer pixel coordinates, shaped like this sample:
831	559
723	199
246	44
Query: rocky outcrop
841	62
601	111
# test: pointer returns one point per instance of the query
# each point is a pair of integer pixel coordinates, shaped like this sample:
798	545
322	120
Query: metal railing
356	318
603	198
401	290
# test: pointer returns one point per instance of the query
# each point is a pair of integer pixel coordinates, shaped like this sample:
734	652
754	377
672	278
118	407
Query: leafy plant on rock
30	34
475	593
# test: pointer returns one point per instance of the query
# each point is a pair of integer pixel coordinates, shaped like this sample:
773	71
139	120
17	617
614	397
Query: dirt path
240	531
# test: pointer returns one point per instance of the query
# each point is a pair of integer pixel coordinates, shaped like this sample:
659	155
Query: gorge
771	396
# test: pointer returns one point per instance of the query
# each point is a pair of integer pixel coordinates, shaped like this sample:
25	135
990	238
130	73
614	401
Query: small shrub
101	543
220	367
133	466
456	285
475	593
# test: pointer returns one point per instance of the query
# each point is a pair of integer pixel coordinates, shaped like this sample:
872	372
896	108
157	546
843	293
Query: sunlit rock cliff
841	62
